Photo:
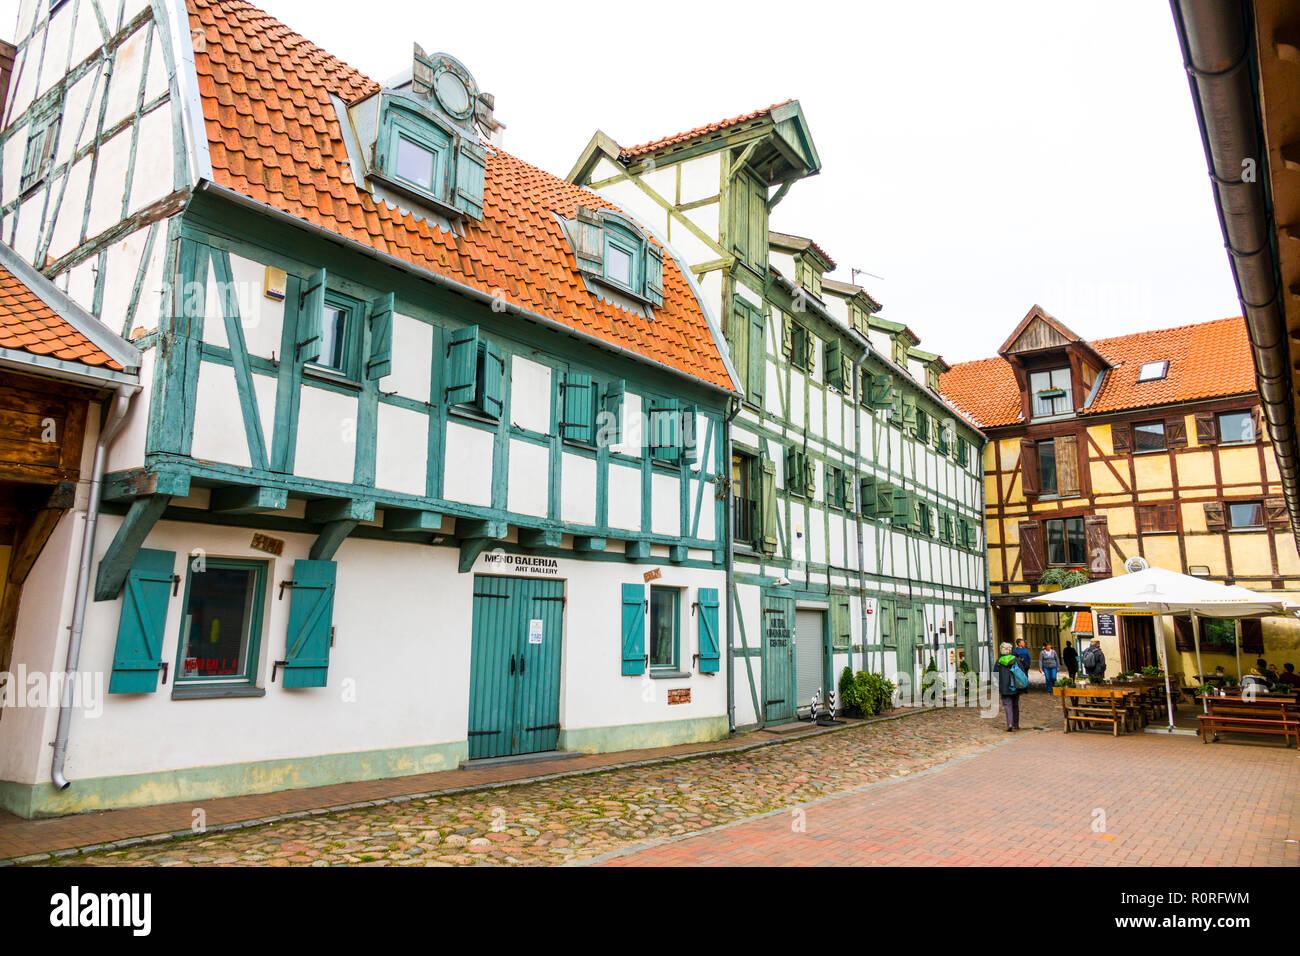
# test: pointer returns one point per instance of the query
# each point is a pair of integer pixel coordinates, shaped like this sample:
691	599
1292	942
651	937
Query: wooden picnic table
1277	714
1117	705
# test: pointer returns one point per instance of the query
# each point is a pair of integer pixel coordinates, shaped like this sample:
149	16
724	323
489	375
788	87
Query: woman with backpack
1011	681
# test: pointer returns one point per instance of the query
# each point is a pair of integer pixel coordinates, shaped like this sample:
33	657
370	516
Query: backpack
1019	676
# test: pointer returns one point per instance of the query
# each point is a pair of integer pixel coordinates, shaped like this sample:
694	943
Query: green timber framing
211	230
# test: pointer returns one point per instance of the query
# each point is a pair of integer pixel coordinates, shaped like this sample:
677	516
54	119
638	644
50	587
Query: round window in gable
454	90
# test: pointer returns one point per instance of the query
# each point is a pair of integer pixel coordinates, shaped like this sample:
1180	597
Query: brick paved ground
575	818
1047	799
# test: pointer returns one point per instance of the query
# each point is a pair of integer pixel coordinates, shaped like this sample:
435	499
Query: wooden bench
1089	705
1277	716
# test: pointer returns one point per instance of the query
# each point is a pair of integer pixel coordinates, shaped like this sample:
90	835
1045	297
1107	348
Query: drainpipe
730	571
862	557
116	418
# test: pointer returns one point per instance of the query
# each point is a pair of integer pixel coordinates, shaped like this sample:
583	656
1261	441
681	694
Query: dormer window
1051	393
1153	371
611	250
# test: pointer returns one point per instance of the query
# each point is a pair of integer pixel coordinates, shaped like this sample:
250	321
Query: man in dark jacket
1093	660
1007	688
1071	658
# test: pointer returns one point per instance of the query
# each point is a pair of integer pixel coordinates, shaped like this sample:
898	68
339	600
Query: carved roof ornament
446	84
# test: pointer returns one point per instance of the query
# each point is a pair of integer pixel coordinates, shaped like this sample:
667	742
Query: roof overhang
1241	58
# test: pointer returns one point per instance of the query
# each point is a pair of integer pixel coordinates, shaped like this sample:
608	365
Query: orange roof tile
1206	360
690	134
249	63
28	324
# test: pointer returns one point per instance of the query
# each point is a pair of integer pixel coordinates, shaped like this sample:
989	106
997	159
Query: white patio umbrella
1158	591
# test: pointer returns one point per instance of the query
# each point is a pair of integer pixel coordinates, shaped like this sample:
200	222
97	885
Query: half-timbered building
426	464
1147	445
855	492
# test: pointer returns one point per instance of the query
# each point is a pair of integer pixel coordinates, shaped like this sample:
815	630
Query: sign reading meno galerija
499	562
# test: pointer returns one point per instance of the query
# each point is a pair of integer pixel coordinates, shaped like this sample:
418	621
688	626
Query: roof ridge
700	130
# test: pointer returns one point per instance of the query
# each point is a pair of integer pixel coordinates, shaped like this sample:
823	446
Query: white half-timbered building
428	458
856	492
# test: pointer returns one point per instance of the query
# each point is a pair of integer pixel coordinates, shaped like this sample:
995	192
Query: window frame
1142	376
41	134
1164	435
745	478
676	594
620	237
1065	532
399	120
355	311
1066	396
1250	419
1045	472
1257	503
256	621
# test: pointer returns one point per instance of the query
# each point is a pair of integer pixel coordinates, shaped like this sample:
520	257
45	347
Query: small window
1047	484
1153	371
664	624
744	482
1246	514
415	164
1148	436
1050	393
1065	542
1236	428
416	153
222	622
622	255
338	323
39	157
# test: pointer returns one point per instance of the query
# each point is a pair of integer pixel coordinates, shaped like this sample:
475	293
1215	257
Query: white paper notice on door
535	631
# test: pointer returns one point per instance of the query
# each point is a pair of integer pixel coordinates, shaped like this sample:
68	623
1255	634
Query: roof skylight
1153	371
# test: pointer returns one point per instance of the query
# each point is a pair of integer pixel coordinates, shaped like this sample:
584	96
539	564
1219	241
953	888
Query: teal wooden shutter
886	628
612	405
881	389
922	426
654	274
757	358
311	614
461	366
492	376
380	362
884	500
311	309
690	431
137	657
767	503
834	367
471	162
577	407
909	413
961	451
665	429
867	489
846	490
633	629
708	607
589	241
902	505
841	623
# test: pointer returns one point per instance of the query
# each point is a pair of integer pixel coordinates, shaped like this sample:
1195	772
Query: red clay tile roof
273	136
28	324
689	134
1206	360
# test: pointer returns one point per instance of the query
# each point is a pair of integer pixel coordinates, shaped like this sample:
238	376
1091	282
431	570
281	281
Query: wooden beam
637	551
35	528
492	529
407	519
330	537
248	499
324	510
677	553
534	538
584	544
137	482
470	549
135	527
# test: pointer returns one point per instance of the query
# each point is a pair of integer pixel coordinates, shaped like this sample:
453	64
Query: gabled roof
847	290
783	240
1206	360
43	331
1062	335
273	137
699	131
929	358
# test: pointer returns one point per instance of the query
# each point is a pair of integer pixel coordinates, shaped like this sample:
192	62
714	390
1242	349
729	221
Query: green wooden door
514	694
540	605
905	635
778	658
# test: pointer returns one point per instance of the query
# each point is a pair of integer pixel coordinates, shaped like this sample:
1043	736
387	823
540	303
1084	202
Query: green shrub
863	694
1064	682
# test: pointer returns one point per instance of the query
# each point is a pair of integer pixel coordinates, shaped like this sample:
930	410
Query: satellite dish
1135	564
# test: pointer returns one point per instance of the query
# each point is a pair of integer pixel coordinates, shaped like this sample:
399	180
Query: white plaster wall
127	449
700	180
327	435
153	176
624	497
124	88
467	470
412	359
110	184
218	422
401	450
578	489
528	491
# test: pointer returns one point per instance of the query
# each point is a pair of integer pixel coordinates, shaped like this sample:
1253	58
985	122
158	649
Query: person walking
1021	653
1071	658
1007	688
1093	660
1049	663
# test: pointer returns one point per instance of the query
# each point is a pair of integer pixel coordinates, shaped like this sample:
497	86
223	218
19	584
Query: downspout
862	557
988	586
730	571
116	418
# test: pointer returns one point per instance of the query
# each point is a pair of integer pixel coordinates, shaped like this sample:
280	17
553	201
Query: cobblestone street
572	819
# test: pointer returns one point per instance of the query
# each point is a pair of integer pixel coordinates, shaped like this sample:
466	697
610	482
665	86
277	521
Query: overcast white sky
979	157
